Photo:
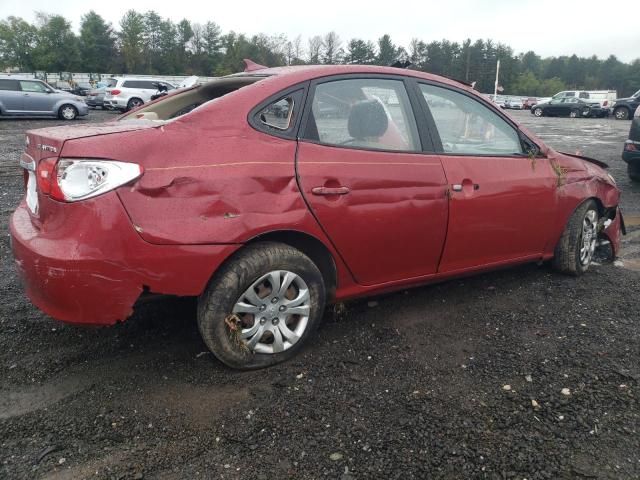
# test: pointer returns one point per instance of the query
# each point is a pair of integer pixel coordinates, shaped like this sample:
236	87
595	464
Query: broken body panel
213	183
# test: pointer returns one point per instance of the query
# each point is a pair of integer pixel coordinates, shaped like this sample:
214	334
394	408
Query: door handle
457	187
330	190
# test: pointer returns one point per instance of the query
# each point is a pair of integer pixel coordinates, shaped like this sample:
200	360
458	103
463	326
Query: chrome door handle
457	187
330	190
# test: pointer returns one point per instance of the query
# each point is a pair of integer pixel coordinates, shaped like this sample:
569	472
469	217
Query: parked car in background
62	85
81	88
568	107
29	97
95	97
631	151
605	98
624	108
529	102
237	192
513	104
127	93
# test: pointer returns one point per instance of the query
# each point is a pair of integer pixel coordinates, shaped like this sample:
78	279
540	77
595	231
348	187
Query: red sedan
269	193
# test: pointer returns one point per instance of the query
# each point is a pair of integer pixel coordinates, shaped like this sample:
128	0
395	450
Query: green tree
56	48
17	42
132	41
387	51
360	52
97	43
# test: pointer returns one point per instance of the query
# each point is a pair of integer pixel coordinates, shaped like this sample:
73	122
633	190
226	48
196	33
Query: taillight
79	179
630	147
115	91
45	173
605	103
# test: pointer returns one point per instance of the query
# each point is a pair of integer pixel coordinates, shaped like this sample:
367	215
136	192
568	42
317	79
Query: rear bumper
114	103
93	266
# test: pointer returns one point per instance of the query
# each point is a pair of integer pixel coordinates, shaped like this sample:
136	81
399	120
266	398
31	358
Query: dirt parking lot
520	374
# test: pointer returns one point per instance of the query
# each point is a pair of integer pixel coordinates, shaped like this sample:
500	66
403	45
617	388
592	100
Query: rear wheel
134	103
67	112
574	251
621	113
633	169
262	306
538	112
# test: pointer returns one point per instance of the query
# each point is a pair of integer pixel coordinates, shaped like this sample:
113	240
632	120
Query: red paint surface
213	183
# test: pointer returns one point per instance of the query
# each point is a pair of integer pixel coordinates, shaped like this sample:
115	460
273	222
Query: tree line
146	43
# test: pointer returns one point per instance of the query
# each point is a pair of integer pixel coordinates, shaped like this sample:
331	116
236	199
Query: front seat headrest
367	119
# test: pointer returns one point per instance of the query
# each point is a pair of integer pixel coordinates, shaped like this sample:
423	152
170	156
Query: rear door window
363	113
10	85
467	127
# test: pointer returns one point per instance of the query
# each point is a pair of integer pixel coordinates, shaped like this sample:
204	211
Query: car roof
299	73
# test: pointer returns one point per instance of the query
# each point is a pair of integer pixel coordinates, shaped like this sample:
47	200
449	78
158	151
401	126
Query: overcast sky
549	27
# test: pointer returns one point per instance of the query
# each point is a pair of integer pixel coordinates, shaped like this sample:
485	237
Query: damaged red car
270	193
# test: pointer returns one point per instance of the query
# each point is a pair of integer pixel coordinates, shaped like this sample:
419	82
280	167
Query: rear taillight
115	92
44	174
79	179
630	147
605	103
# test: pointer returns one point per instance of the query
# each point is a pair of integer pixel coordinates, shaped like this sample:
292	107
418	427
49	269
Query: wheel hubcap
273	312
68	112
589	237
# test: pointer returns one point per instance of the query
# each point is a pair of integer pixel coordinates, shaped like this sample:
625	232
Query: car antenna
251	66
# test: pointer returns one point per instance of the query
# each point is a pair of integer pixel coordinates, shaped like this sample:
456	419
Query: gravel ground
519	374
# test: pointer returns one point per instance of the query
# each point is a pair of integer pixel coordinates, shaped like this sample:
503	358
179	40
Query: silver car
30	97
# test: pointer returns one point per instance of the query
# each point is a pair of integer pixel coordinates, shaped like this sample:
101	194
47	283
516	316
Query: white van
606	98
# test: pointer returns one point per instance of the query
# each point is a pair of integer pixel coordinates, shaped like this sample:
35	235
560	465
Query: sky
548	27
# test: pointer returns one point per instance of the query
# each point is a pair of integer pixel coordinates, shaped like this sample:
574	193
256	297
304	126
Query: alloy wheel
589	237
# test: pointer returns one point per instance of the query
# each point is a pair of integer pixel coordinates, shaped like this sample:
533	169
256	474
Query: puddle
20	401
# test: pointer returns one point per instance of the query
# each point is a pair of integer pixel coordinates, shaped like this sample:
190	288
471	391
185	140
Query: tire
633	169
574	252
67	112
574	114
134	103
227	326
621	113
538	112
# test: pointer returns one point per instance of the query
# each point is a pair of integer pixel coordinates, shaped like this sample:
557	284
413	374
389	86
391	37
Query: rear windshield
112	83
185	101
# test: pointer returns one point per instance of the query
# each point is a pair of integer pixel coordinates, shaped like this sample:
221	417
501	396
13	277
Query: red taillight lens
115	91
45	174
630	147
605	103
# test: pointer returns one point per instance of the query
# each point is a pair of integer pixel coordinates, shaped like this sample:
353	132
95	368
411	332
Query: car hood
599	163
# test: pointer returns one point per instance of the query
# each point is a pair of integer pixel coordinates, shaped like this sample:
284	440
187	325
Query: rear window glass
112	83
9	85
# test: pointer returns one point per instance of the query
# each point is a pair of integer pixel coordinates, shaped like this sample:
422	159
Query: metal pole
495	89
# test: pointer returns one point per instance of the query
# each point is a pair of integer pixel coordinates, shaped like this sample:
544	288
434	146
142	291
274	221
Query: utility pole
495	89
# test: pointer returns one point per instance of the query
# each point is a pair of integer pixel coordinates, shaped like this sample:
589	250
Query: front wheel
538	112
262	306
576	247
67	112
633	169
